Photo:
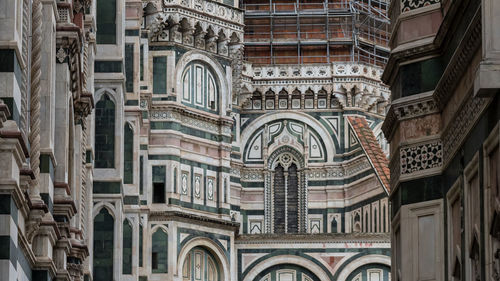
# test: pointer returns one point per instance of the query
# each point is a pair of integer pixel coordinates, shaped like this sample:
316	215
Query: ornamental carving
421	157
409	5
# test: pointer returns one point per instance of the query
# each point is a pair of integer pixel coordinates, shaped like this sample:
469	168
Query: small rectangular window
129	67
141	56
159	184
159	75
158	192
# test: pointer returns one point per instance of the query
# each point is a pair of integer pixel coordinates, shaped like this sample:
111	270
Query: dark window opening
154	261
128	157
158	192
279	200
105	133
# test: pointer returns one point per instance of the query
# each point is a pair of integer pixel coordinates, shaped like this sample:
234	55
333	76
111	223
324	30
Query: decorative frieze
158	115
410	5
420	157
461	125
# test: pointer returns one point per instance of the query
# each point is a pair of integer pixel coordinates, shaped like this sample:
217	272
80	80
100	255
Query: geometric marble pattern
421	157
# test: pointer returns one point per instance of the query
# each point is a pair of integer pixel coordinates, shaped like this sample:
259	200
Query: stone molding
408	108
456	131
300	238
458	64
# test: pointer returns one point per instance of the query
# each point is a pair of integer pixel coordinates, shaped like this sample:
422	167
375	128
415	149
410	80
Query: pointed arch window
103	246
105	133
127	247
159	248
334	225
285	193
128	154
199	87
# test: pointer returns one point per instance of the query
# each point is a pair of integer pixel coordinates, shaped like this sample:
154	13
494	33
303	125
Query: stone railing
212	8
312	71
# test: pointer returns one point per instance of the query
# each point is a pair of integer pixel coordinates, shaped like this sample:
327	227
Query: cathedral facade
154	140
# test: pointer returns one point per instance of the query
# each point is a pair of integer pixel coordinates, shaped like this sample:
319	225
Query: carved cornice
310	238
458	65
408	108
194	219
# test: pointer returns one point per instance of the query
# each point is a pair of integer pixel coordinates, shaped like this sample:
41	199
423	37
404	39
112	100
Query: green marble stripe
198	207
170	125
131	200
9	63
132	102
340	182
8	207
108	66
188	162
106	187
131	32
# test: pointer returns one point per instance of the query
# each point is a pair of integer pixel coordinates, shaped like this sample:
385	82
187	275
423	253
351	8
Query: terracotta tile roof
372	149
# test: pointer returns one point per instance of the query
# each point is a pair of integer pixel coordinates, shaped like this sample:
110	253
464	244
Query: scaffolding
308	31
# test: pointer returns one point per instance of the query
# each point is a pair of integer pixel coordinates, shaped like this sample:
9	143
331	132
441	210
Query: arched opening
334	225
200	88
286	272
104	225
285	191
357	223
127	247
105	133
128	154
370	272
159	248
375	217
200	265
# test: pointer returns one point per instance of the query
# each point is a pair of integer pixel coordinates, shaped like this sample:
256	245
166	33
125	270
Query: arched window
159	262
279	199
201	265
104	225
357	223
286	193
128	154
105	133
375	217
199	87
106	22
334	225
127	247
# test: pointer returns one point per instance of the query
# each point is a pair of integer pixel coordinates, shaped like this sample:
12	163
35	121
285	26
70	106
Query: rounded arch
221	78
296	158
361	261
210	246
286	259
297	116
